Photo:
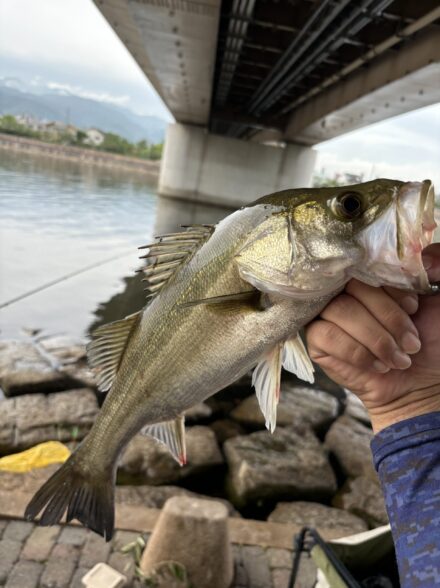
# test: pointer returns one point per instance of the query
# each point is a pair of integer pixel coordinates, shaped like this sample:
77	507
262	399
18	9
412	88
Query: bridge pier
202	167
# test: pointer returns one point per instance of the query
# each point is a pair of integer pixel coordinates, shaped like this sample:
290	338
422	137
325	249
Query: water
59	217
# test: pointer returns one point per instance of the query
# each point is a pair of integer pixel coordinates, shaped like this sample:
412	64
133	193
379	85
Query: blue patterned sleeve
407	459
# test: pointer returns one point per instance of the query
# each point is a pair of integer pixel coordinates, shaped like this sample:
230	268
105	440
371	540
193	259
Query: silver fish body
238	299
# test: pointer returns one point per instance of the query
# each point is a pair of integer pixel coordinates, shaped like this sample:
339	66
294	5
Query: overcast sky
68	44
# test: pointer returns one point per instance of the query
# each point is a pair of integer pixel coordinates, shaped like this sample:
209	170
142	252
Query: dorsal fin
107	347
169	252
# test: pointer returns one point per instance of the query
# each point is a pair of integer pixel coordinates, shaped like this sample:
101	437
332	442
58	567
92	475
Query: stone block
9	552
256	565
95	550
323	518
71	535
298	405
25	574
151	462
23	370
40	543
60	567
124	563
349	441
290	463
18	530
31	419
195	534
363	497
279	558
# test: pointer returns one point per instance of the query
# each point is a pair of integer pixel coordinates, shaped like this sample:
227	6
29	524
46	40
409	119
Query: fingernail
410	304
401	360
380	367
410	343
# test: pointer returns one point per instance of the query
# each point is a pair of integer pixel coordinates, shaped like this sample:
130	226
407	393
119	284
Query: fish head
394	241
311	242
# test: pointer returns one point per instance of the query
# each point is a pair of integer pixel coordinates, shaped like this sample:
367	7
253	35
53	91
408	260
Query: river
59	218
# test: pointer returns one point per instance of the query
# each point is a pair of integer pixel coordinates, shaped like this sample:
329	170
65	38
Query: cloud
79	91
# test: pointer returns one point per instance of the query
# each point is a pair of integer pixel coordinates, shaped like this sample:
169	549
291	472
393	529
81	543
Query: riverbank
90	157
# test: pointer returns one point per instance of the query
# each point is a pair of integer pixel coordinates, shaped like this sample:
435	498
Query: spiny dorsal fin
169	252
107	347
266	380
171	434
296	359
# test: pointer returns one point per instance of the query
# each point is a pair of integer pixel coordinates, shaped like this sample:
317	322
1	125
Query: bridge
254	84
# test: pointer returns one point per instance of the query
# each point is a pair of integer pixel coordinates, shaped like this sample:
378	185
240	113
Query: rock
319	516
226	429
195	534
71	353
363	497
31	419
28	482
156	496
24	370
197	413
288	464
298	405
150	461
355	409
349	441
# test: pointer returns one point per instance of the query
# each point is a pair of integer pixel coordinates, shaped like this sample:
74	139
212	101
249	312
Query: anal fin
171	434
296	359
266	380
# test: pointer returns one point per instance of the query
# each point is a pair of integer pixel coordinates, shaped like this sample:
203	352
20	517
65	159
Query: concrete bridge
253	84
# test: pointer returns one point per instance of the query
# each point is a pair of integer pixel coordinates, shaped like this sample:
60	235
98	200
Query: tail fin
86	497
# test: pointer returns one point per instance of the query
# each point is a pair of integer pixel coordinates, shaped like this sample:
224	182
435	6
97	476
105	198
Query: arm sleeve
407	458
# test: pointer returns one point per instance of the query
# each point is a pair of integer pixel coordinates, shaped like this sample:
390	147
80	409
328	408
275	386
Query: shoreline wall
79	155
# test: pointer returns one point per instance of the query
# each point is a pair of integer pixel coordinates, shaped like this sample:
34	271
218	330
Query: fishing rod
63	278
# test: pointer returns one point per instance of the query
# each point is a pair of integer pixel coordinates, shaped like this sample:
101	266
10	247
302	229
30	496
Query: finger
431	261
388	313
354	318
327	340
406	300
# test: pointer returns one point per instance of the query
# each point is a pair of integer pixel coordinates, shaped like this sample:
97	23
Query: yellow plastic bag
38	456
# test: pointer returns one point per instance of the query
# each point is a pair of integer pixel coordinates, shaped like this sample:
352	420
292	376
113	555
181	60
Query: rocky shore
315	470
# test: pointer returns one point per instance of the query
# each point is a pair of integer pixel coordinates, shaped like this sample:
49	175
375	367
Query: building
94	137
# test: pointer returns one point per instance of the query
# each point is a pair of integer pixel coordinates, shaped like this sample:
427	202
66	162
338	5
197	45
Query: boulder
363	497
28	482
323	518
31	419
156	496
197	413
226	429
298	405
150	461
291	464
349	441
24	369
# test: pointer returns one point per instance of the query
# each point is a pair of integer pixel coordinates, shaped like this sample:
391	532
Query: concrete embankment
79	155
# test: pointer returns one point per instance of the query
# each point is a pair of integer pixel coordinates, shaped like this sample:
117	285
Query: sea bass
224	299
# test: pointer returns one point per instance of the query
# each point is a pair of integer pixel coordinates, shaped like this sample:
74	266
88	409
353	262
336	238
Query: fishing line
63	278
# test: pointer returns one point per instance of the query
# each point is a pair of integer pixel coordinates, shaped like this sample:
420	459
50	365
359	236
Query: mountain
81	112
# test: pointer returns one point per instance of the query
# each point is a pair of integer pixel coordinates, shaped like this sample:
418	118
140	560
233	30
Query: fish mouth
393	244
415	226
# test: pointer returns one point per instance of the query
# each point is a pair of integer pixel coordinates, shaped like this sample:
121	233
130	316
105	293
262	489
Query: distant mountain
81	112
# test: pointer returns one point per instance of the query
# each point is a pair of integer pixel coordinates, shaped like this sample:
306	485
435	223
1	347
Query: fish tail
86	495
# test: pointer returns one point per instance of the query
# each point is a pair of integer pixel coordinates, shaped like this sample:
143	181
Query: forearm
407	458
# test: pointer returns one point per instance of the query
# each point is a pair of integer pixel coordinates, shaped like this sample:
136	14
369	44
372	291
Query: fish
225	299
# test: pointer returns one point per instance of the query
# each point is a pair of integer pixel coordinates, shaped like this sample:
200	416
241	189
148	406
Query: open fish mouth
394	242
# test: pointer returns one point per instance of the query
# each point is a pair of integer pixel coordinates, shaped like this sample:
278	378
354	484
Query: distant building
94	137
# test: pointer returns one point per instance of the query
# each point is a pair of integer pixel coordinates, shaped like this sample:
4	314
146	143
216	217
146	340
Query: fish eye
347	206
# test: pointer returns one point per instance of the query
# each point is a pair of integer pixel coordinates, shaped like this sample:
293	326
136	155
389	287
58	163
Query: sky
67	44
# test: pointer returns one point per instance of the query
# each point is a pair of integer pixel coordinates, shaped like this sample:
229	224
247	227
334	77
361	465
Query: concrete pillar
202	167
193	533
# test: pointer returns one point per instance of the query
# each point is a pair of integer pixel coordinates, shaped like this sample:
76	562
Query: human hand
384	345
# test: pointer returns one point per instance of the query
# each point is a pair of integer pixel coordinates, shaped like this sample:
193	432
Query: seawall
79	155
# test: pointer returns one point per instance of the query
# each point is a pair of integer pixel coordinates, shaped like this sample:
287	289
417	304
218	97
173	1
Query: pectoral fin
266	380
171	434
296	359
